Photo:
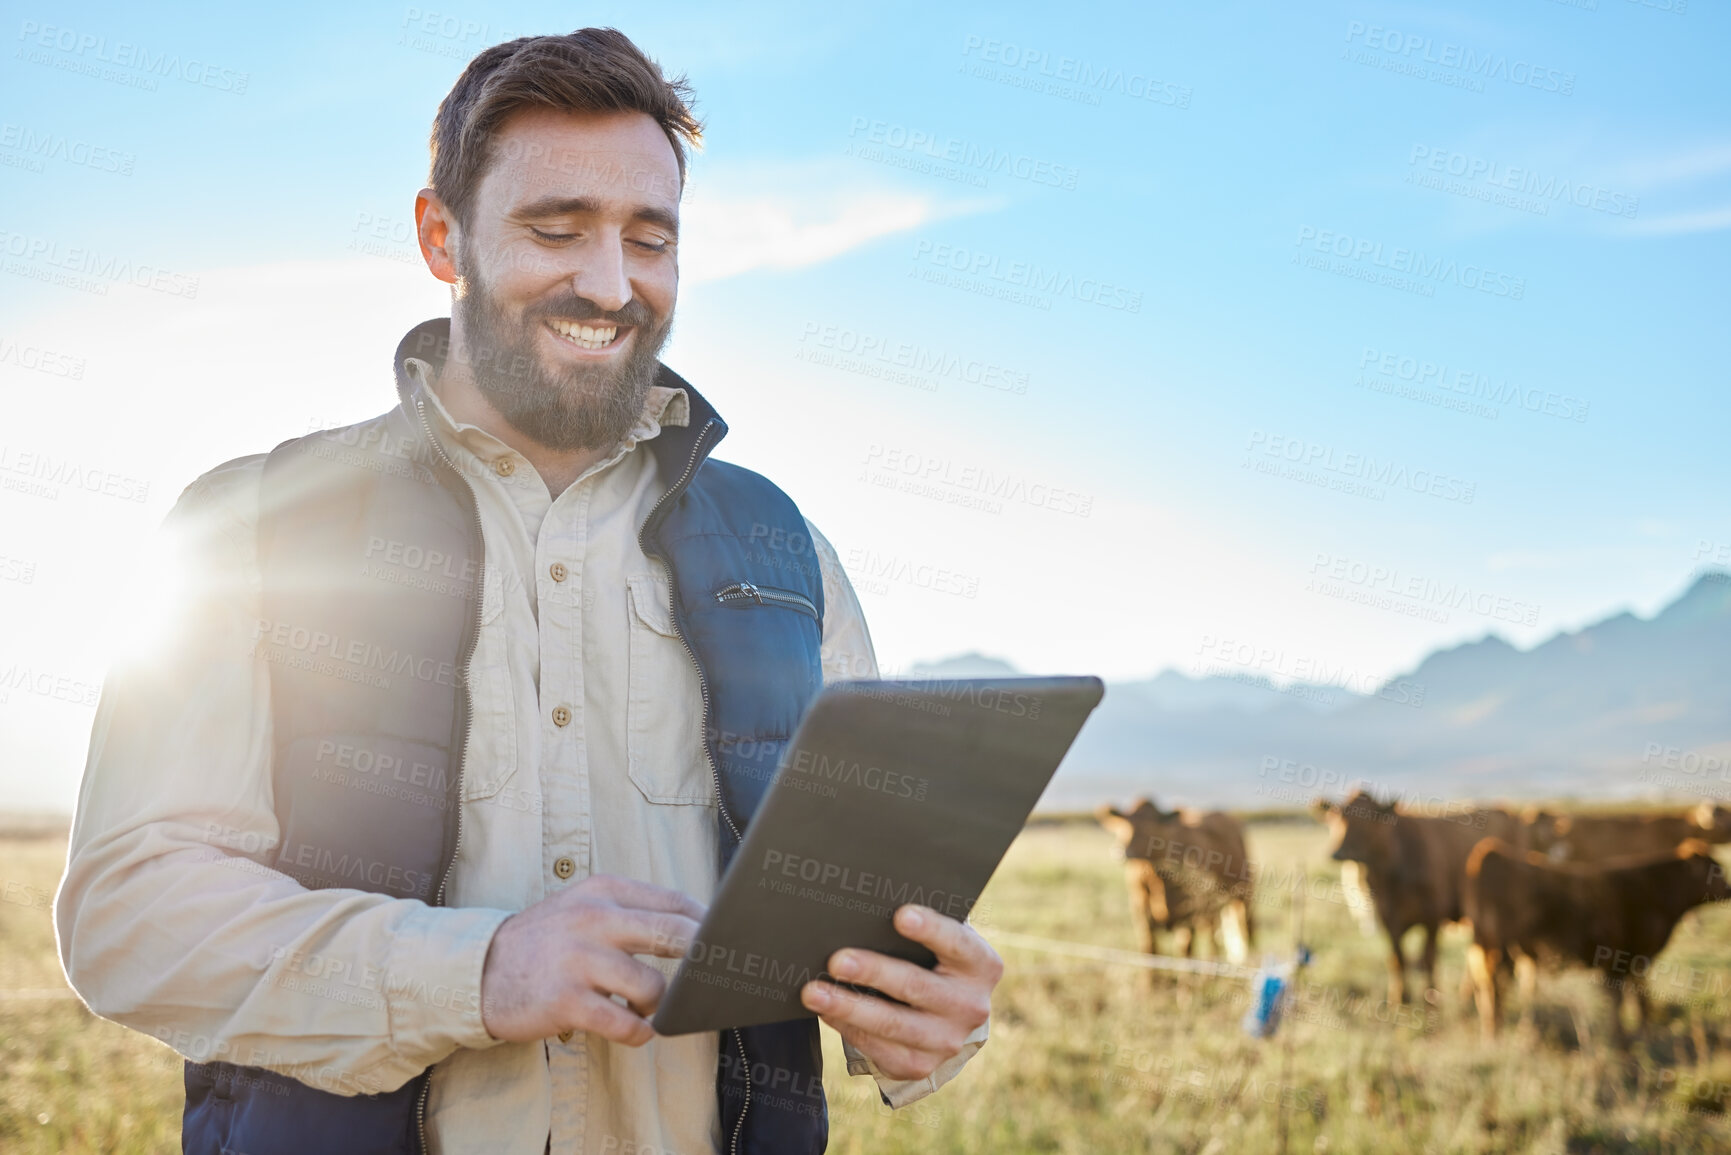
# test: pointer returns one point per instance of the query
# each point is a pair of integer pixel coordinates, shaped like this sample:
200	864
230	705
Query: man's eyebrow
552	206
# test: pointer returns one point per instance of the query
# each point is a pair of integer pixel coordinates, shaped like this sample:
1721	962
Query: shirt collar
662	406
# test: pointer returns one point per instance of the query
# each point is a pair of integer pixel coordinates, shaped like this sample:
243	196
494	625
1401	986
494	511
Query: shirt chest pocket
664	704
492	752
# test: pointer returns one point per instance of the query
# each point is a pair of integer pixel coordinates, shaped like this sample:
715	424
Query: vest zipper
464	706
673	491
765	595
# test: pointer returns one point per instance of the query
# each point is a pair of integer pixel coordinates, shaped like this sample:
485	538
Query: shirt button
564	867
561	716
558	570
505	466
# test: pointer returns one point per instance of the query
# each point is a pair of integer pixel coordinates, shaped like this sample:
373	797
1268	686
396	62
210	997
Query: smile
590	337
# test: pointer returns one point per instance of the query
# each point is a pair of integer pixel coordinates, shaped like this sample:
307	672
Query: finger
600	1015
866	1015
892	1060
644	932
909	982
630	892
617	973
958	946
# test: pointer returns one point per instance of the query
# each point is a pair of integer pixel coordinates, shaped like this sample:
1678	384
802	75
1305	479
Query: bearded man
469	704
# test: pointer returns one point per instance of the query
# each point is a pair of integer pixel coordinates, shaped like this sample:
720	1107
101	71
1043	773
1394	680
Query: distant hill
1625	707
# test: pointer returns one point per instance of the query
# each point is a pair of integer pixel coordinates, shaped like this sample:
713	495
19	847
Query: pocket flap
651	601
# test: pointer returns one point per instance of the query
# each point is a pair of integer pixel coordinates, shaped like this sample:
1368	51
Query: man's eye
653	246
546	236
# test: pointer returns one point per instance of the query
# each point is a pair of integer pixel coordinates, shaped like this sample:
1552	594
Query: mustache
635	314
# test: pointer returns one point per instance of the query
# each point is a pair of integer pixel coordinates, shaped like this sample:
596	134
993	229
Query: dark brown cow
1523	905
1187	873
1600	837
1414	866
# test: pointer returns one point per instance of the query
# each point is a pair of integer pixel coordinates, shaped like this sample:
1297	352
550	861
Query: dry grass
1083	1057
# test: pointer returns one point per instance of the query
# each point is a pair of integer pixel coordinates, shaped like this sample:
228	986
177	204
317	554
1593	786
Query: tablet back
890	792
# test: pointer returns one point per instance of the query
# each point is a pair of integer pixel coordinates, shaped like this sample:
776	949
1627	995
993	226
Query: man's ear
436	229
1322	807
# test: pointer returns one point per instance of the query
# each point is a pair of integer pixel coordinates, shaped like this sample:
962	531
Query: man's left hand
945	1004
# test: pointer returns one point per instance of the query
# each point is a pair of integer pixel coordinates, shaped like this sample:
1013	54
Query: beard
566	407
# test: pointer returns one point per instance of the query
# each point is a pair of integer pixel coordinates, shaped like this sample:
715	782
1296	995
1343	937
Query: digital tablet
888	793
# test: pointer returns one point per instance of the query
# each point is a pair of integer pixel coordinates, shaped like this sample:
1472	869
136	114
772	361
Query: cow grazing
1187	873
1600	837
1414	866
1524	905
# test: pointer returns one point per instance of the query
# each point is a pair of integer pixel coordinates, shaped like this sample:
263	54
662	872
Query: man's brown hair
589	70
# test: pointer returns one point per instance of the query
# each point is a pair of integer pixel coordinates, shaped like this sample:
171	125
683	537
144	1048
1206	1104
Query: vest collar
678	450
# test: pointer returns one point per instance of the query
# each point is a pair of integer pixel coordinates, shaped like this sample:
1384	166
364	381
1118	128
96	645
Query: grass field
1084	1058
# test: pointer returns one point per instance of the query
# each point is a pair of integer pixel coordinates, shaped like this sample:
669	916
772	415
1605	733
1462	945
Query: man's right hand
551	969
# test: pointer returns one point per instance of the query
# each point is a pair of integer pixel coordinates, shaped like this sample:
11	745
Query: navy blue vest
371	660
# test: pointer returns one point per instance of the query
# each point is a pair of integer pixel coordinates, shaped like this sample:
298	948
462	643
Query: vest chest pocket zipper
748	594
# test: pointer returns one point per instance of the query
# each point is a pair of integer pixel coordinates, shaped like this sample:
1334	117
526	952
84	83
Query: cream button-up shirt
585	757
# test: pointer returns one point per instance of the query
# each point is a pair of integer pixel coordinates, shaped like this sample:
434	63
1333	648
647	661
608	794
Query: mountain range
1627	707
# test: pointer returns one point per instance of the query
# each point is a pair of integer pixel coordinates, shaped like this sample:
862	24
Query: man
457	723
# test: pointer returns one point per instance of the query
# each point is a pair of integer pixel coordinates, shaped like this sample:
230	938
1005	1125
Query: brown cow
1187	873
1414	866
1599	837
1526	906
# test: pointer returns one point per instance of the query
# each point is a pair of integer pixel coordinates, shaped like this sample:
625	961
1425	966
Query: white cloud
738	218
1678	167
1678	224
730	237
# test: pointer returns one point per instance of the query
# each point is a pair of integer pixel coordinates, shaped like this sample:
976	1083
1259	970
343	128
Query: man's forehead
623	157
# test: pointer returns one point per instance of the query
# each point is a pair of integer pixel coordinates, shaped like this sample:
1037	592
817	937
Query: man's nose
602	278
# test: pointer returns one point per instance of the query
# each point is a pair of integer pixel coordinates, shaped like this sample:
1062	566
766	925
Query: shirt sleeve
171	920
847	652
848	656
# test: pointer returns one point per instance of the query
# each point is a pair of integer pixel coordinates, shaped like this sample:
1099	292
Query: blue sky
1336	331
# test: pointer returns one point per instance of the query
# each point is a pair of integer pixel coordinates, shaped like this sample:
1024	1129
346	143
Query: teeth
587	336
